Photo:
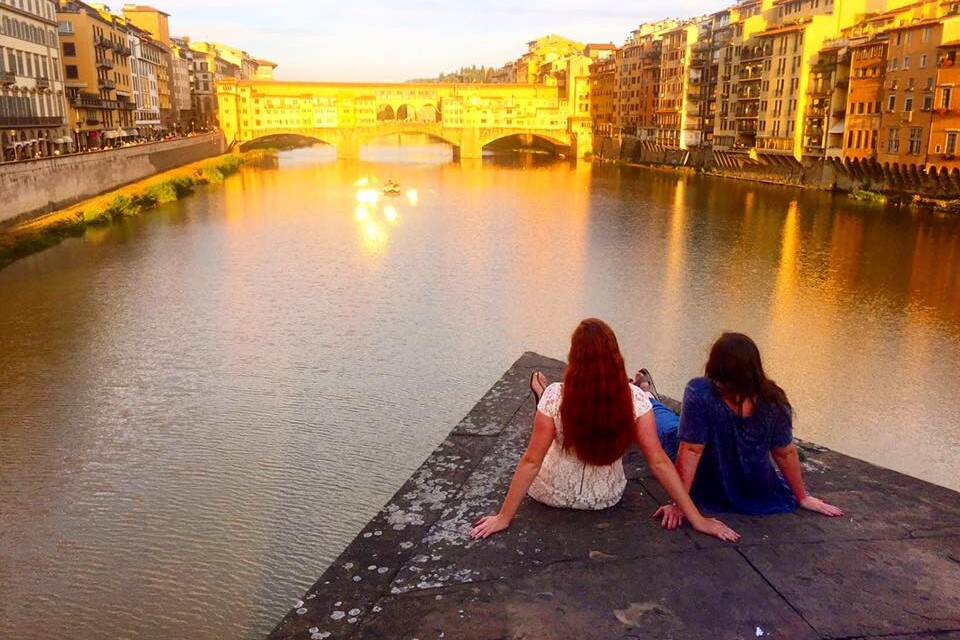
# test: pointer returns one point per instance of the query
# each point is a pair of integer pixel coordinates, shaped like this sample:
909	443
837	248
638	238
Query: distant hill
465	74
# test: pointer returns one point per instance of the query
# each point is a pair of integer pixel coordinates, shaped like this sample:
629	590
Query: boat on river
391	188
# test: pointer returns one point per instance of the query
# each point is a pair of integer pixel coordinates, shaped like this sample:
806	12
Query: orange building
944	147
908	99
867	70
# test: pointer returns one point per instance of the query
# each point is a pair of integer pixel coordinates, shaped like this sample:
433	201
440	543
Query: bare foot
644	380
538	382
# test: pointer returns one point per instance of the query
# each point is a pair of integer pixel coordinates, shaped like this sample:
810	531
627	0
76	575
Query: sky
393	41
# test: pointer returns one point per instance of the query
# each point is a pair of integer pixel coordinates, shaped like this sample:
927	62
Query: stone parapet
34	187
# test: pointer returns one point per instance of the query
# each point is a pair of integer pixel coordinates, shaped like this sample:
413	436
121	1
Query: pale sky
392	41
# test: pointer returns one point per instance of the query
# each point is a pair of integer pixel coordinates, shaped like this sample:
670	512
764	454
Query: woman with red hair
582	429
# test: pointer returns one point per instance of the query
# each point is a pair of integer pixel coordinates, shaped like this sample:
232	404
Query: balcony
102	43
43	83
105	64
126	105
755	53
90	100
123	50
7	78
91	122
30	121
106	84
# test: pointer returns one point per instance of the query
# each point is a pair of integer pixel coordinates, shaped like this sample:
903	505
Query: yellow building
156	24
97	73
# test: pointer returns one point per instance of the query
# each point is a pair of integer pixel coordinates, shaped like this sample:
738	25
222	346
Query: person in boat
583	427
736	432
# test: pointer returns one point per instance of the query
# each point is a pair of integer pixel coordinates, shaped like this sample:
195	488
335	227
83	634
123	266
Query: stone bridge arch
491	136
325	136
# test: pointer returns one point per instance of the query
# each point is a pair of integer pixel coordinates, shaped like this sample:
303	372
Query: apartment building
603	89
826	111
637	80
33	113
733	131
677	117
868	61
147	66
98	77
909	95
943	150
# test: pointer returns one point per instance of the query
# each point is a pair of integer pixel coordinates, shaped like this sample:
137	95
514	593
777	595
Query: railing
107	84
91	100
103	43
105	64
126	105
122	50
30	121
43	83
91	122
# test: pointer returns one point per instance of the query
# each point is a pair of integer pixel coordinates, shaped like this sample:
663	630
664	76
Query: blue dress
736	472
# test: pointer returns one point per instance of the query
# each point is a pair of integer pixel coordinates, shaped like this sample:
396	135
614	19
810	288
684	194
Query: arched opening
527	144
385	113
428	113
283	142
406	113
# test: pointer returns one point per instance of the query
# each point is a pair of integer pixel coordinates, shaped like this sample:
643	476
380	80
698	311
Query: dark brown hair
596	407
735	369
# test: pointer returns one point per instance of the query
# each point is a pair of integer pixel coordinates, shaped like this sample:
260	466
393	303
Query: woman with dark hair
581	431
735	425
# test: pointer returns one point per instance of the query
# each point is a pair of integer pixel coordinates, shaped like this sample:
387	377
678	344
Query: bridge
349	116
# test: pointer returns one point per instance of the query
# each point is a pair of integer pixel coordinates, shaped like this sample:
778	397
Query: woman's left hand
489	525
819	506
671	516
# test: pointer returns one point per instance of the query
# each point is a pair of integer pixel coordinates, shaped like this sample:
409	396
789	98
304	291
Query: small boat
391	188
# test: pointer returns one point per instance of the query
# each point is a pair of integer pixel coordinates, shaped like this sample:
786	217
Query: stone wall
35	187
901	182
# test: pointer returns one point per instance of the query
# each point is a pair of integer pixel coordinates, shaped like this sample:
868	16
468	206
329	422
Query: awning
124	133
837	128
111	134
64	140
133	132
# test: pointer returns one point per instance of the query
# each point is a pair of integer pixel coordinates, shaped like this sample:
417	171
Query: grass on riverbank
49	230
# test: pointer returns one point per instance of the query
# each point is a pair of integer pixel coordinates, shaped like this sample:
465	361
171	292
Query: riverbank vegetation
49	230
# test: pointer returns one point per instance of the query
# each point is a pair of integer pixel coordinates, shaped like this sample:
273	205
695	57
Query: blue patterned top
736	472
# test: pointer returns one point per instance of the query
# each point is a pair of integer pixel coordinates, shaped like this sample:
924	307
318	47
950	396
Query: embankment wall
900	182
35	187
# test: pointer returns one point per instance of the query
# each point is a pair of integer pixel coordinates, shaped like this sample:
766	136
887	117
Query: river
202	406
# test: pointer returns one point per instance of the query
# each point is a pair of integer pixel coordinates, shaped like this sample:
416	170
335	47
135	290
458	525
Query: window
951	142
923	61
72	71
945	98
69	49
906	62
892	103
927	102
913	144
893	140
908	104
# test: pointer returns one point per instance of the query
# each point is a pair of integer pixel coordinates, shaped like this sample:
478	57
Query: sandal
535	377
644	380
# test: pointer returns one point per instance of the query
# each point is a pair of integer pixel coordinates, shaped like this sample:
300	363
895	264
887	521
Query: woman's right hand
819	506
713	527
489	525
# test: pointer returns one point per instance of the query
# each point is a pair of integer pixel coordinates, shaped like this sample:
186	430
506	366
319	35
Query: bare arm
688	459
665	473
544	433
788	461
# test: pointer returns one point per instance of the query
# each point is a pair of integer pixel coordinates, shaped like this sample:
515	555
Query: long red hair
596	407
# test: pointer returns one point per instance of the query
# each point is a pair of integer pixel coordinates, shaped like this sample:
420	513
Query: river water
201	407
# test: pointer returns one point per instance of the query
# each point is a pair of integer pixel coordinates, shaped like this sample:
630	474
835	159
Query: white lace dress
564	480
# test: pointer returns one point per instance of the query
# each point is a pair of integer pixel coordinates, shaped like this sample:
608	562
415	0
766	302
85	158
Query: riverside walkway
890	568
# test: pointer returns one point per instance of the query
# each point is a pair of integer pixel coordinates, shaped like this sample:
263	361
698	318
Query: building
826	106
909	95
944	151
181	83
638	80
156	24
147	71
868	61
33	112
97	74
603	89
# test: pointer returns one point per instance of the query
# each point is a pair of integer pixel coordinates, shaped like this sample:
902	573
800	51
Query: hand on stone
819	506
715	528
671	516
489	525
